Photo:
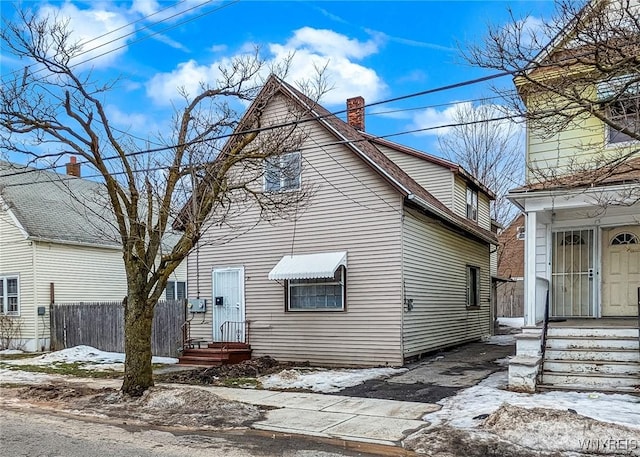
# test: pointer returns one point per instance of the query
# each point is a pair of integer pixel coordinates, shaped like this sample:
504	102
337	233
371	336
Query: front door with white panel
621	271
228	304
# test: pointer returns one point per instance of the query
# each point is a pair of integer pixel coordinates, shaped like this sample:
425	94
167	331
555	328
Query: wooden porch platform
215	354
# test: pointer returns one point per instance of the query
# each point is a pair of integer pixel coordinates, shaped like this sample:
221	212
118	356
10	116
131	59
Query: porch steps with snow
604	359
215	354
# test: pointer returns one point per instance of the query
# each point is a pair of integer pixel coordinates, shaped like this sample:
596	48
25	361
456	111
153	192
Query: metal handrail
239	329
185	330
543	341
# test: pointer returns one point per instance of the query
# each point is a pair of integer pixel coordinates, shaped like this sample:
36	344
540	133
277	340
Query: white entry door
228	304
621	271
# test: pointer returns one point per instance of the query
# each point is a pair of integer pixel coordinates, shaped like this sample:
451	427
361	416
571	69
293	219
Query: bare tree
489	145
578	71
192	177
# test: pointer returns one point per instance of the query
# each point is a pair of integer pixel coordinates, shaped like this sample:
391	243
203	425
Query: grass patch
68	369
24	355
242	382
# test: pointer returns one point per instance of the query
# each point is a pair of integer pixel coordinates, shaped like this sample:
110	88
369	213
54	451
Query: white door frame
215	314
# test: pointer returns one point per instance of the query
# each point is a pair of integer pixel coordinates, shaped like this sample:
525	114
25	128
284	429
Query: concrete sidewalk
369	420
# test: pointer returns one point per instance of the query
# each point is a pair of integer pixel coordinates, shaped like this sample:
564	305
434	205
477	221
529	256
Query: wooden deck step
216	354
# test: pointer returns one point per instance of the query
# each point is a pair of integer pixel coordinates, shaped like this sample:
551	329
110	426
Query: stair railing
185	330
543	340
235	332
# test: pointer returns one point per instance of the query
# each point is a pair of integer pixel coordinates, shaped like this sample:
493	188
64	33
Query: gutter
39	239
420	202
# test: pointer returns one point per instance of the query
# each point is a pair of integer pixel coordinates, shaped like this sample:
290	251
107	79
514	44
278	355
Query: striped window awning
309	266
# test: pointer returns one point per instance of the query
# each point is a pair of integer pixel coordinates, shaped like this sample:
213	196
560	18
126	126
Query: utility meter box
197	305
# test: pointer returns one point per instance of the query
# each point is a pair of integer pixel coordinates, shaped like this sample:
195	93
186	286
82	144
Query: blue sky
376	49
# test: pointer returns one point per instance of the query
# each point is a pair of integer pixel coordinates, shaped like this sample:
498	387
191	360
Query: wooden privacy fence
101	325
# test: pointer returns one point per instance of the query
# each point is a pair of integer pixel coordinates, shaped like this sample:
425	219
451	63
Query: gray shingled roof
54	207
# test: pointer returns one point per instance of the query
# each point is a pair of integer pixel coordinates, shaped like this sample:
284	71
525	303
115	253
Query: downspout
402	287
34	279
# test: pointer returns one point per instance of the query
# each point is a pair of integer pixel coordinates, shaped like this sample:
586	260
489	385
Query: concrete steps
592	359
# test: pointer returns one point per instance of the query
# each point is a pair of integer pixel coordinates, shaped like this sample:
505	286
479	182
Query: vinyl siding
484	211
79	273
354	210
541	251
434	257
16	258
436	179
460	203
583	142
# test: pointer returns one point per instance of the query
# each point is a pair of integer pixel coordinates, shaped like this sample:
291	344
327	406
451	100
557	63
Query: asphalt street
33	433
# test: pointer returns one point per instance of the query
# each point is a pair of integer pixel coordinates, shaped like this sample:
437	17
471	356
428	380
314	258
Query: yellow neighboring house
582	230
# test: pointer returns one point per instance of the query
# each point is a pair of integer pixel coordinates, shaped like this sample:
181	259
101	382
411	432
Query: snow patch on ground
91	357
11	352
512	322
325	381
486	397
23	377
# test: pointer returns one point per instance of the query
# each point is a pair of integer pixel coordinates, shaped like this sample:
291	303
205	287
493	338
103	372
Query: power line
294	123
16	72
313	147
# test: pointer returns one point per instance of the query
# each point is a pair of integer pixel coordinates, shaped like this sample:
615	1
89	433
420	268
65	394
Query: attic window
282	172
624	238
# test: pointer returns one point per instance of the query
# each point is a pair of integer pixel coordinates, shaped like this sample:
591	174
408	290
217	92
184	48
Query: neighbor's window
282	172
472	204
473	286
9	295
176	290
626	113
326	294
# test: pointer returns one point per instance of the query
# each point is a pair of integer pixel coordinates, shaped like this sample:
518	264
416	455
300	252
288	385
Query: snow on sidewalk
487	396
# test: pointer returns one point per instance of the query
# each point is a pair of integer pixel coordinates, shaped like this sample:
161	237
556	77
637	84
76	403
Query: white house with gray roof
57	245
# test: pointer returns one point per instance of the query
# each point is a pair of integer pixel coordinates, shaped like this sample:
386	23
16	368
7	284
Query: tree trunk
138	321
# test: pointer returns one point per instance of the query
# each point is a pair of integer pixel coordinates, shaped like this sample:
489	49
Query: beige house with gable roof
389	260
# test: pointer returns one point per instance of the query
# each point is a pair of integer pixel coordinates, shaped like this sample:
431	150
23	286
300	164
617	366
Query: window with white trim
175	290
473	286
322	294
10	295
282	172
472	204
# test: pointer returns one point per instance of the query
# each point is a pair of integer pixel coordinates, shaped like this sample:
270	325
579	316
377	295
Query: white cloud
311	49
164	88
131	122
429	118
97	30
329	43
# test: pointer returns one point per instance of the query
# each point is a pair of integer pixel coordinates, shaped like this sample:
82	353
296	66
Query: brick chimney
73	168
355	112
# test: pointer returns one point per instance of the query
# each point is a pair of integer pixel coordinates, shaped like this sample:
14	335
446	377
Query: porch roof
309	266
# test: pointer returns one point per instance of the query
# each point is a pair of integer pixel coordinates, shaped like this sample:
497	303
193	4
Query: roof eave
436	211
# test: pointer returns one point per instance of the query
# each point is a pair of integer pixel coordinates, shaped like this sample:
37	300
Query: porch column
530	269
